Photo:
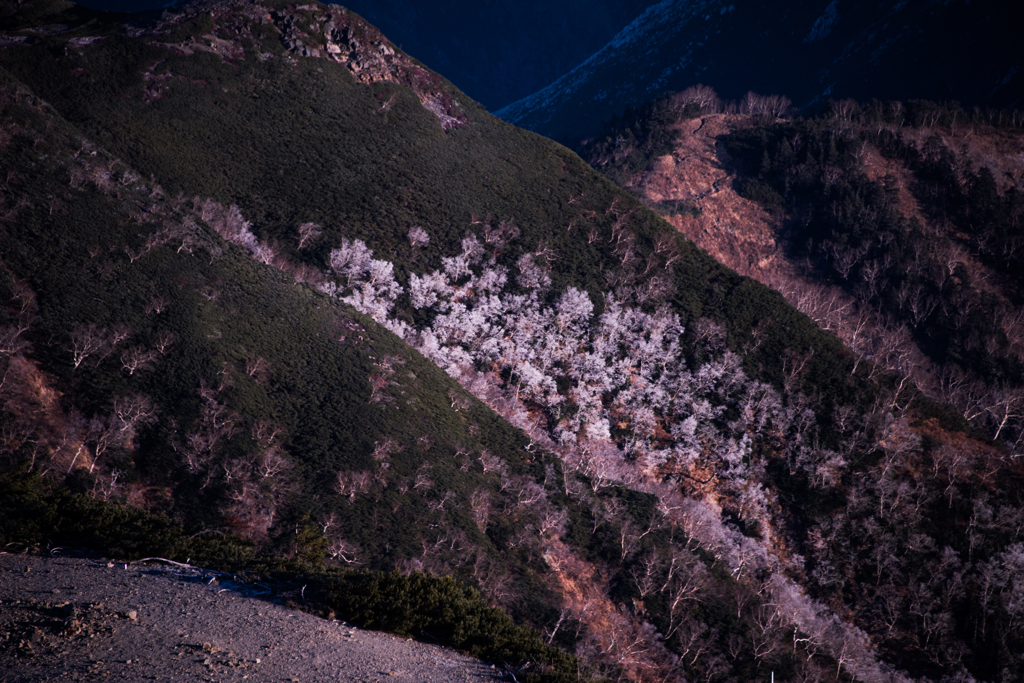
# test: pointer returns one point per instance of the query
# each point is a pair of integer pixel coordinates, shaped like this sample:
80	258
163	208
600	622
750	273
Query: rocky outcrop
735	230
340	36
312	31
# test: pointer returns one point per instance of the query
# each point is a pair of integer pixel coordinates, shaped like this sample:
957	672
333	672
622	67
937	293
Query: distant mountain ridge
809	51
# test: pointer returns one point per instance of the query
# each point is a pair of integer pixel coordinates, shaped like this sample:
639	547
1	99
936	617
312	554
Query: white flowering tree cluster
611	392
370	282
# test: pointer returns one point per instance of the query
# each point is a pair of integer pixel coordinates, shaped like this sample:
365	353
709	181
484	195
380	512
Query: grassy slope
317	391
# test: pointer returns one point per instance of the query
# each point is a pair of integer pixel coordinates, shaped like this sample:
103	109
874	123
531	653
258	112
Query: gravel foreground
76	619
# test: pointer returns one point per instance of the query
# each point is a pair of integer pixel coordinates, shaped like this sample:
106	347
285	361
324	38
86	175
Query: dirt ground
734	230
75	619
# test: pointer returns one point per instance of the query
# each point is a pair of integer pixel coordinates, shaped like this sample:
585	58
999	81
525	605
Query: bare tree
778	105
258	368
764	105
157	305
381	380
527	492
382	450
418	237
480	508
340	549
265	432
350	484
921	304
686	578
272	463
265	254
103	433
968	395
701	95
553	521
87	340
423	480
844	258
137	359
459	400
438	505
133	410
1007	405
844	110
216	424
490	462
11	342
667	247
873	273
163	340
118	333
108	486
309	233
236	469
766	636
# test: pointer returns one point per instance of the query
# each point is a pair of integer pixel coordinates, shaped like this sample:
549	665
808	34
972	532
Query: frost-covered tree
371	282
418	237
309	233
351	259
532	274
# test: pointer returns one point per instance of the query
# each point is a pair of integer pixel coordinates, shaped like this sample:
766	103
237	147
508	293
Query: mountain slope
171	370
809	51
893	235
692	453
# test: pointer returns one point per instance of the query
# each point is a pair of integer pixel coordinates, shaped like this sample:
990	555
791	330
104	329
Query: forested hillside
895	225
268	275
886	224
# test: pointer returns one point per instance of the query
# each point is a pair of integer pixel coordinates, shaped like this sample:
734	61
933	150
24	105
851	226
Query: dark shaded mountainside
810	51
265	274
